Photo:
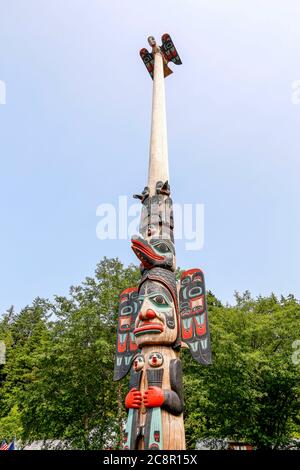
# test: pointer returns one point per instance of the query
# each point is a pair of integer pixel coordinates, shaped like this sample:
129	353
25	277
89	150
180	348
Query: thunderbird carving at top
168	51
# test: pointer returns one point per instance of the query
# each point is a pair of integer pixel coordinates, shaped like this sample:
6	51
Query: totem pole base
171	426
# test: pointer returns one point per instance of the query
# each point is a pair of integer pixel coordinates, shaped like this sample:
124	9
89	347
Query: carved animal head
154	252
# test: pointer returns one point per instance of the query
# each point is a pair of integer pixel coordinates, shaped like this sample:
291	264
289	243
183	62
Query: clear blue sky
74	133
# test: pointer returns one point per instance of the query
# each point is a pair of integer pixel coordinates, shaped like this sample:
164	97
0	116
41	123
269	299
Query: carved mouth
125	324
148	327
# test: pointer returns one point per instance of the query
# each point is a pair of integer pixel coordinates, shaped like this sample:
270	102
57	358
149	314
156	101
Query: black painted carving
155	377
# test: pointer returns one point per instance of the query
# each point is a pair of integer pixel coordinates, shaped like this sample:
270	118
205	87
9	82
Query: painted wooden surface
173	426
155	317
158	158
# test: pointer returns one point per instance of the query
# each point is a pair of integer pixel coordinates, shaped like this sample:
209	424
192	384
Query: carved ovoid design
126	344
193	312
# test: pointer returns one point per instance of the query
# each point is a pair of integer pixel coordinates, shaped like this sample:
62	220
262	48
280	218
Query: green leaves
59	368
252	388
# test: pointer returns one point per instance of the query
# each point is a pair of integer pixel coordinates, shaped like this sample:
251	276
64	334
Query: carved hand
133	399
153	397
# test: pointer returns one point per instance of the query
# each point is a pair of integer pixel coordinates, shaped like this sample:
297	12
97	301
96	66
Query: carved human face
151	41
156	322
138	362
155	359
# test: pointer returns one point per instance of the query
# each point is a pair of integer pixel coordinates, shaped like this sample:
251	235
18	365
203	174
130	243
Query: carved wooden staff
160	316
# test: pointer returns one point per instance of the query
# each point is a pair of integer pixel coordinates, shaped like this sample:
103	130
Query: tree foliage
251	392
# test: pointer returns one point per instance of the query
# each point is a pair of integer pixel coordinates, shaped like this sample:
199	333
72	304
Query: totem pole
160	316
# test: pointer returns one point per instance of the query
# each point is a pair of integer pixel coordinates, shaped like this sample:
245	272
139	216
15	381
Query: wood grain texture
173	426
155	397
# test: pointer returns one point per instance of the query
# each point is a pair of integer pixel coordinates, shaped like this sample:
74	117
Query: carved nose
147	315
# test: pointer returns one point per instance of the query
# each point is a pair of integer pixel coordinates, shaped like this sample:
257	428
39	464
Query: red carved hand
153	397
133	399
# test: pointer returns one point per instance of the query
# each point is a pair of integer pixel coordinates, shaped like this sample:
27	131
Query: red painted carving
153	397
133	399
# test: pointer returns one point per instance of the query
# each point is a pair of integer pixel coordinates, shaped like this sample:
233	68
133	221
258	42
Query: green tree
73	397
25	335
251	391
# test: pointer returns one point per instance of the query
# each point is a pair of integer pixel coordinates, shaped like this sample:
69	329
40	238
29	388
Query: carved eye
160	300
127	310
163	248
195	291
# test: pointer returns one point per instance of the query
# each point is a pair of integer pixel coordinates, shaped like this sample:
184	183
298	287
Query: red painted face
156	321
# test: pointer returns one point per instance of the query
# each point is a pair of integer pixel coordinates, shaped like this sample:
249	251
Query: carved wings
169	50
148	59
193	313
169	53
126	345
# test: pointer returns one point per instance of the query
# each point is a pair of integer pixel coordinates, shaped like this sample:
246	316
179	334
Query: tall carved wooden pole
160	316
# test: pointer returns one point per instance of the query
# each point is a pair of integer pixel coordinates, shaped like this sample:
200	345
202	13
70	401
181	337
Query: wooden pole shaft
158	159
